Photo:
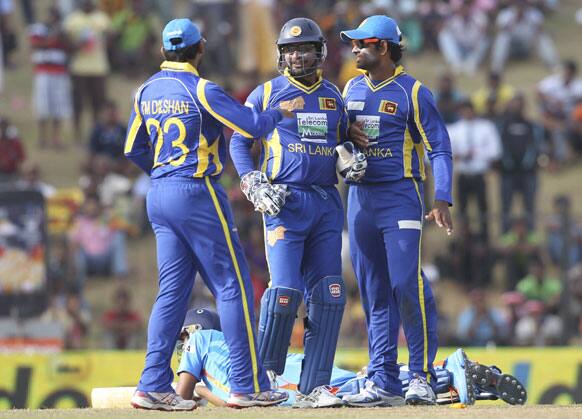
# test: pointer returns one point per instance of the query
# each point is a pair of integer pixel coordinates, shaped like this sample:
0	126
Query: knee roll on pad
278	311
325	308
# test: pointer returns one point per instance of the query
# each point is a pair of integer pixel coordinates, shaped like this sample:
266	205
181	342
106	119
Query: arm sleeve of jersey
137	143
239	118
435	137
343	125
192	360
240	146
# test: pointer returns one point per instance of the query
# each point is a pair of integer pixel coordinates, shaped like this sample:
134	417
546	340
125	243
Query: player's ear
383	48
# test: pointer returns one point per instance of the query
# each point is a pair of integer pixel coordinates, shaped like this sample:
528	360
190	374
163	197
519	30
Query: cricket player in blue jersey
205	368
399	120
294	188
175	134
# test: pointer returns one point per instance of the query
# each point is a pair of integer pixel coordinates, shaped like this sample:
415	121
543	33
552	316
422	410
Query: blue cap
207	319
180	33
377	26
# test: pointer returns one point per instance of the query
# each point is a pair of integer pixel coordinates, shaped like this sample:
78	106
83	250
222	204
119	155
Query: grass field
531	412
62	169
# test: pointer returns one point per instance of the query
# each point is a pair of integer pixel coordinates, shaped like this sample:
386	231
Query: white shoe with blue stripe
264	398
170	401
420	392
319	397
373	396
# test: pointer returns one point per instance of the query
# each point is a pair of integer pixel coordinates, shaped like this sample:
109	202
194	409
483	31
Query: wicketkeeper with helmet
294	188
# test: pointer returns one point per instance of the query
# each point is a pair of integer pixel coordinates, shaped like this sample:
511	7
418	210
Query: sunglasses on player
365	43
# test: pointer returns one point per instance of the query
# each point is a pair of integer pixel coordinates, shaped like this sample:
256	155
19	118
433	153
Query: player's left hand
441	215
357	134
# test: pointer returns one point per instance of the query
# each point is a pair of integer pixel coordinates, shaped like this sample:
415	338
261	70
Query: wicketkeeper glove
264	196
351	163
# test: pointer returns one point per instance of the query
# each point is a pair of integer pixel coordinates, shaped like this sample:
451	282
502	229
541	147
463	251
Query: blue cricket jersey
176	125
401	120
207	358
298	151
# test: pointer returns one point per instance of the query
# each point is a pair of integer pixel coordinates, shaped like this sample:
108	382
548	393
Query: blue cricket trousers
385	229
304	241
195	232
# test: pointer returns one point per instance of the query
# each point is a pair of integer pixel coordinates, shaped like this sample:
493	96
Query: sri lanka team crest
335	290
295	31
273	236
327	104
388	107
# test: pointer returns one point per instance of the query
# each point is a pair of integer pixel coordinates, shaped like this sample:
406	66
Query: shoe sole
254	404
417	401
379	403
508	388
468	380
160	408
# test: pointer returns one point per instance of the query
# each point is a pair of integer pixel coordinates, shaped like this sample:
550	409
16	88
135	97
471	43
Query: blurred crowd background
505	75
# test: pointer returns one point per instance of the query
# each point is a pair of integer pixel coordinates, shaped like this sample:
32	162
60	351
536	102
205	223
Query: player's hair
395	51
182	55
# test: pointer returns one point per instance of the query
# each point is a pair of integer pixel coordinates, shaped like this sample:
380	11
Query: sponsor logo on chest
371	125
312	127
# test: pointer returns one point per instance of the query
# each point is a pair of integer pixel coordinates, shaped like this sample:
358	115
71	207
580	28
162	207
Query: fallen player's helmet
301	30
200	319
196	319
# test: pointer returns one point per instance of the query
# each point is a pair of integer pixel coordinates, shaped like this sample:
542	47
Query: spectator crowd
528	259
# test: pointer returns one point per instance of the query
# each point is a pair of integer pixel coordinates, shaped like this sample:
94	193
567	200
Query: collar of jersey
399	70
175	66
301	86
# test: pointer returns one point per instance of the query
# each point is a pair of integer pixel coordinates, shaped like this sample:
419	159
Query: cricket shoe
491	380
419	392
457	364
319	397
262	399
170	401
371	396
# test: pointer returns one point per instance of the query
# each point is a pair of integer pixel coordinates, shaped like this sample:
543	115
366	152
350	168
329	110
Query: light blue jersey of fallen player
206	357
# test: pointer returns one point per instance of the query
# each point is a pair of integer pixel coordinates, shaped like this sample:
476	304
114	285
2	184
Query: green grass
62	168
531	412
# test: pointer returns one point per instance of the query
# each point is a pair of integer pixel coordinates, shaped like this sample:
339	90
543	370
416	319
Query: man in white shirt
463	40
519	32
476	145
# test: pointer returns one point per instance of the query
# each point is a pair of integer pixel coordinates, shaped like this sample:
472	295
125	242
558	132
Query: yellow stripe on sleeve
248	325
275	144
407	153
421	294
201	93
135	125
415	90
420	153
267	88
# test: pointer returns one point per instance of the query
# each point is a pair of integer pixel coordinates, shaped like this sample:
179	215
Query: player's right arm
137	143
240	145
239	118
